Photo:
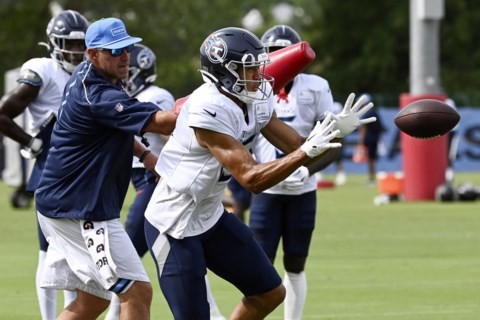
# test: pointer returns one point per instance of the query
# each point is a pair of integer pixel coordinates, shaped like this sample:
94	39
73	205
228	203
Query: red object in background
288	62
179	104
424	161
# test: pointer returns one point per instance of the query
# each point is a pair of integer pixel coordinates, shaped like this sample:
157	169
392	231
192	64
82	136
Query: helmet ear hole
225	54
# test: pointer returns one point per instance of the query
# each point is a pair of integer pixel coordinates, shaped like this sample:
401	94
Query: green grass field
415	261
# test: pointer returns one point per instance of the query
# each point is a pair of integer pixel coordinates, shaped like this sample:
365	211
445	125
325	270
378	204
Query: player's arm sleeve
222	122
30	77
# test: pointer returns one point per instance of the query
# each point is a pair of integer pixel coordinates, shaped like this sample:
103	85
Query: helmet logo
215	49
145	59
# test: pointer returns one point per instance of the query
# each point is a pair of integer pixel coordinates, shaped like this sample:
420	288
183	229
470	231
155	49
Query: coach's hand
319	139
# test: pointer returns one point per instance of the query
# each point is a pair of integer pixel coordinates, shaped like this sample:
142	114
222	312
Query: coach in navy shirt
86	178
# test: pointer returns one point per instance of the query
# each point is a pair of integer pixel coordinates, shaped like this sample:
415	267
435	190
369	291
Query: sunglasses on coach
118	52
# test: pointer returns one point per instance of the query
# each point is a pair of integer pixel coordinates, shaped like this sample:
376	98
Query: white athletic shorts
96	257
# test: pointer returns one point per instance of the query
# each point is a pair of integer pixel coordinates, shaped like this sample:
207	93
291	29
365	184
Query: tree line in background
361	45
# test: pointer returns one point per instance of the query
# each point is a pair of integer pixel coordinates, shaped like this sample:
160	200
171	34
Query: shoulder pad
30	77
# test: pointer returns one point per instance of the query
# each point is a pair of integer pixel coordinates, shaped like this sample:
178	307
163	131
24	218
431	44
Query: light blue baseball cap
109	33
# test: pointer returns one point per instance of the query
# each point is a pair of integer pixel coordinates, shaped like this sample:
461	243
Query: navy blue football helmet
142	71
63	30
279	36
225	52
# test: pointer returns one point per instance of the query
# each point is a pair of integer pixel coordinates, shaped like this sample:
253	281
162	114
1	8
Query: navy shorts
144	182
287	217
372	146
228	249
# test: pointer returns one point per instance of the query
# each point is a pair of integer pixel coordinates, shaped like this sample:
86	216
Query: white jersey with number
50	95
305	104
165	101
188	198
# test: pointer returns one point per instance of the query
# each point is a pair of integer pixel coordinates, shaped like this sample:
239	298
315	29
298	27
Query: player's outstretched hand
319	139
349	118
296	180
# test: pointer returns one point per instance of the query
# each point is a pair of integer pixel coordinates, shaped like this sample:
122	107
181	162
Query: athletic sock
296	287
215	313
114	308
47	298
68	297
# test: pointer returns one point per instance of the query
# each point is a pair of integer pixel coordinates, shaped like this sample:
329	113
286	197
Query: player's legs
291	217
297	235
47	298
113	309
372	146
181	273
215	313
233	254
266	221
144	184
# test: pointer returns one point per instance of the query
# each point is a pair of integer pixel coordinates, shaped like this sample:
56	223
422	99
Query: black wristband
143	155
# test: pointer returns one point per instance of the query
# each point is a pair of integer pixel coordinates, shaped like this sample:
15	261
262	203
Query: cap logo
118	30
215	49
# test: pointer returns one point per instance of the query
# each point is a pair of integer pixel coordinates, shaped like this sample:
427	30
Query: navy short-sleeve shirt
88	167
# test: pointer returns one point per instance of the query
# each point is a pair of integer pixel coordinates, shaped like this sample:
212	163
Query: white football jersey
188	198
165	101
50	95
306	103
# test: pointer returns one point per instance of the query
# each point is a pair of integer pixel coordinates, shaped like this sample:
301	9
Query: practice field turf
415	261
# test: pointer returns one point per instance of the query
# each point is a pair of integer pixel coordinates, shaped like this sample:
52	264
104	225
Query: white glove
349	118
296	180
34	148
319	139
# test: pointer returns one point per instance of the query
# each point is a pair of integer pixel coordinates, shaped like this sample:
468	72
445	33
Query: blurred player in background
369	137
40	88
453	141
187	227
287	210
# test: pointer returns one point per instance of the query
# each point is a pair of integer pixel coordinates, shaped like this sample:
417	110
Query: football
427	119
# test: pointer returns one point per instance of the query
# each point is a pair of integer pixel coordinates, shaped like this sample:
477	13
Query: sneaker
341	178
